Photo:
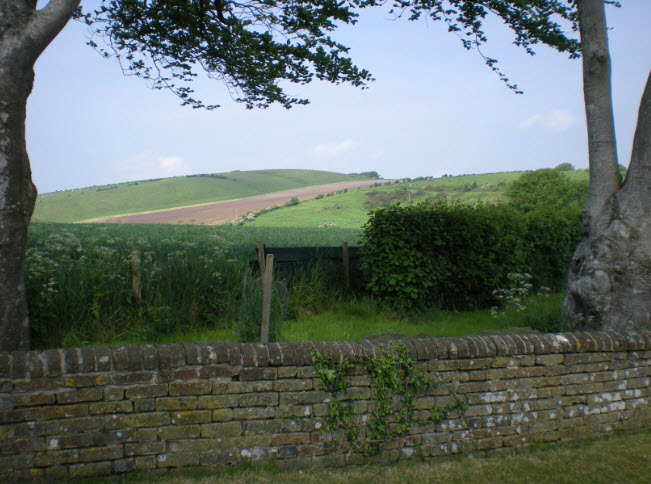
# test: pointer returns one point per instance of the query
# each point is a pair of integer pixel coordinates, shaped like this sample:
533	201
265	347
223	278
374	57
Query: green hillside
161	194
350	210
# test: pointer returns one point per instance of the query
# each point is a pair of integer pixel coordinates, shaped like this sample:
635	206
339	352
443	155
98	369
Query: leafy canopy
250	45
255	46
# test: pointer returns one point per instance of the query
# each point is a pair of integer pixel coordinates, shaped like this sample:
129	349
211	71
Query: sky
434	109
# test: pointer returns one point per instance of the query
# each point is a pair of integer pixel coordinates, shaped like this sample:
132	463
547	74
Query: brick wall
91	411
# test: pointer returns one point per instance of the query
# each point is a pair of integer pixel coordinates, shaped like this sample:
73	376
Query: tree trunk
609	285
17	198
24	34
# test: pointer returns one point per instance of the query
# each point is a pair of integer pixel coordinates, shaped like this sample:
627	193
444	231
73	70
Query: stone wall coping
59	362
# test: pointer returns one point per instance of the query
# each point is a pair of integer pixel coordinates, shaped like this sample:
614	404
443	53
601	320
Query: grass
350	209
622	457
151	195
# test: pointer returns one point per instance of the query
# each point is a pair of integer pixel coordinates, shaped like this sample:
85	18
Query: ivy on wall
395	383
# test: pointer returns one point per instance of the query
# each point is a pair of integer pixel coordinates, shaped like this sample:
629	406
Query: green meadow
153	195
350	209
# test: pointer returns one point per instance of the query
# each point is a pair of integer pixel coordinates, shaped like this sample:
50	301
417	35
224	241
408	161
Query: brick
190	417
247	387
171	356
222	415
145	463
90	469
132	378
549	360
75	396
257	374
145	391
190	388
137	420
19	365
124	465
258	399
222	429
100	453
51	458
113	393
253	413
176	403
98	408
91	380
181	459
144	405
291	439
217	401
30	399
144	448
292	385
176	432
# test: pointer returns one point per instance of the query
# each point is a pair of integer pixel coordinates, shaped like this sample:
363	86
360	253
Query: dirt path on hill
224	212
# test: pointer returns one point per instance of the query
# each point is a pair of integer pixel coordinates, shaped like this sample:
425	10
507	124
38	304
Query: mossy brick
146	391
234	354
6	386
171	356
297	438
56	457
95	454
30	399
213	352
132	378
601	376
186	417
548	360
293	411
144	405
222	415
287	371
213	372
258	399
120	358
222	429
306	372
275	354
175	432
114	393
72	361
217	401
70	441
262	354
86	380
143	448
351	393
19	364
470	387
124	465
639	372
181	459
5	364
178	374
573	379
34	365
257	374
317	396
76	396
144	463
247	387
176	403
103	358
250	413
192	354
137	420
545	392
90	469
190	388
249	357
292	385
149	355
638	383
99	408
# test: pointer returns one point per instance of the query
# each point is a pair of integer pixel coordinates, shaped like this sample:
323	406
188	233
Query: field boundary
70	413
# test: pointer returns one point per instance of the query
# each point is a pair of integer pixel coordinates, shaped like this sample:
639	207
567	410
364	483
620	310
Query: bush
547	189
453	255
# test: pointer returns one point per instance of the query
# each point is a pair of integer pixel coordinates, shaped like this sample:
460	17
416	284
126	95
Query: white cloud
553	120
148	165
334	150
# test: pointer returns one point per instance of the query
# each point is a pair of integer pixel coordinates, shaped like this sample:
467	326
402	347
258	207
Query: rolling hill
167	193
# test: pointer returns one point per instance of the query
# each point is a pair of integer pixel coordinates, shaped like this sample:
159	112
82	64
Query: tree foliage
250	45
547	189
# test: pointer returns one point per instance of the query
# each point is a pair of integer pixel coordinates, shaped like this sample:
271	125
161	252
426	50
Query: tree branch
45	24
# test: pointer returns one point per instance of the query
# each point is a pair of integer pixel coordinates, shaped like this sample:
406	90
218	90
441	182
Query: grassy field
150	195
350	210
79	288
618	458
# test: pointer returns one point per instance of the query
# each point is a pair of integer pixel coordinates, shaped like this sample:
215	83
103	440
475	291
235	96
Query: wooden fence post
261	256
346	259
135	272
267	282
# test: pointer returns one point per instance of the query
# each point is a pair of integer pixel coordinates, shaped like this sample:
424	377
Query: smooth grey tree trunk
24	34
609	285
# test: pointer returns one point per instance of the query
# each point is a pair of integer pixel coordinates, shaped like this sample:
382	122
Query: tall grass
79	280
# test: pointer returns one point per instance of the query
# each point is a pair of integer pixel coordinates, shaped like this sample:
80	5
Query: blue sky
434	108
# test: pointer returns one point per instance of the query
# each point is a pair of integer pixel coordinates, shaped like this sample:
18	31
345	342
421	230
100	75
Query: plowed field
224	212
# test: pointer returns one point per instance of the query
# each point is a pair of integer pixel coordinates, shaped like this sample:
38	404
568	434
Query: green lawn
151	195
622	457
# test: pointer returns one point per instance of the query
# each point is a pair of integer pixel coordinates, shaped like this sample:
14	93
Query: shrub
453	255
